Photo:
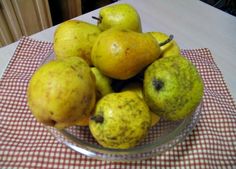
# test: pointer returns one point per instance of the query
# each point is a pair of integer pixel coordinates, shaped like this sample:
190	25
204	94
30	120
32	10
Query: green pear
173	87
62	92
121	120
122	53
168	49
103	83
75	38
122	16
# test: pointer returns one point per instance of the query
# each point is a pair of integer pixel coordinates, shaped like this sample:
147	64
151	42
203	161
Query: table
193	23
27	144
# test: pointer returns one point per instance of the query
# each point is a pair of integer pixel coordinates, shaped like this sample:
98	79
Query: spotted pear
173	88
121	120
62	92
75	38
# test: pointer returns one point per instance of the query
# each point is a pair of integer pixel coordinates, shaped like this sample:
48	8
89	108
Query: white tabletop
193	23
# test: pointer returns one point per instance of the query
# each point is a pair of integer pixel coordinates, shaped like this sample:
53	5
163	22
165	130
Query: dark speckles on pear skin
120	106
86	99
91	36
124	30
98	56
125	121
127	103
127	51
145	125
112	138
80	76
181	99
74	68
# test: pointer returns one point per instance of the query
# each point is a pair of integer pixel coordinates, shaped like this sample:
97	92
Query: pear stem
97	118
170	38
158	84
96	18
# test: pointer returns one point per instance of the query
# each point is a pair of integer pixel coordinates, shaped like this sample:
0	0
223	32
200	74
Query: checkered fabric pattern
24	143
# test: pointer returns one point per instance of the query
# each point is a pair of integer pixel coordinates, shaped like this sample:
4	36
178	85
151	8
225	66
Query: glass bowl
161	138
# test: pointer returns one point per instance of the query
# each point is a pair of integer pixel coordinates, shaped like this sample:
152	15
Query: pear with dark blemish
61	93
75	38
121	120
173	88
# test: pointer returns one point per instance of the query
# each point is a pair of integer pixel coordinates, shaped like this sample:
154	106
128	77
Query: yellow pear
75	38
103	83
121	53
122	16
168	49
121	120
62	92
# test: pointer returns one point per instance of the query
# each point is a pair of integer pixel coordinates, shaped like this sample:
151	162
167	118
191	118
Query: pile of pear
114	78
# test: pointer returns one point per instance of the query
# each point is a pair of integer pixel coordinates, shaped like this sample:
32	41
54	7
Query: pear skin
122	16
121	54
61	92
121	120
75	38
173	88
171	48
138	89
103	83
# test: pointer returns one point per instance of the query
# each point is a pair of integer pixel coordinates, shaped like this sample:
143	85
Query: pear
103	83
173	88
122	53
122	16
62	92
121	120
168	49
75	38
138	89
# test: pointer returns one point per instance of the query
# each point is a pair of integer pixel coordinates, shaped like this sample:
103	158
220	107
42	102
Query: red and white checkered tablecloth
24	143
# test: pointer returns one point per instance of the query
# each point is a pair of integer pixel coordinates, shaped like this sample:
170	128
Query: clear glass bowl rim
156	148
